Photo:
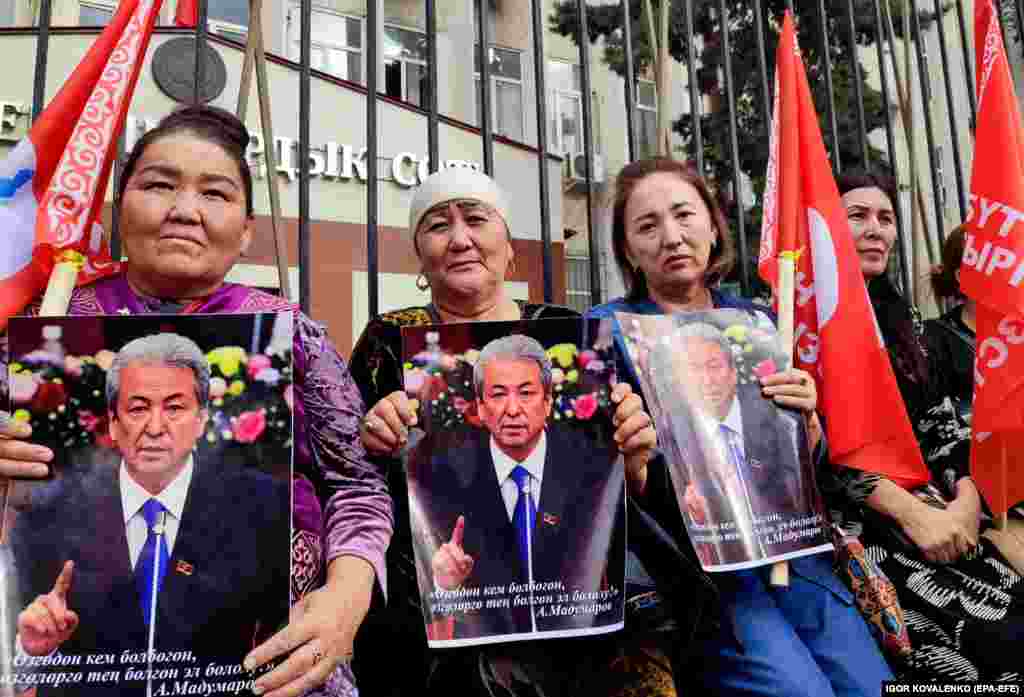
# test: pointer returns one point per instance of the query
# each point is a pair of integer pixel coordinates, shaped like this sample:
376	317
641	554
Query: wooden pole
786	299
255	40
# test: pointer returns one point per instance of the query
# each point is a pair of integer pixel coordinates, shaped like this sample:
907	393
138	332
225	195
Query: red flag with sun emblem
992	272
836	338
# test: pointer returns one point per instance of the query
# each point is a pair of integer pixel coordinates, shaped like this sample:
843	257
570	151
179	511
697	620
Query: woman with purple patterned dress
186	217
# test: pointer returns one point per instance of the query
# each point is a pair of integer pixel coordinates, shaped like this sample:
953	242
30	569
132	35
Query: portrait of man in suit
524	504
151	549
739	455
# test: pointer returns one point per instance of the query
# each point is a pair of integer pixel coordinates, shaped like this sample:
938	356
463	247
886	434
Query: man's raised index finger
62	586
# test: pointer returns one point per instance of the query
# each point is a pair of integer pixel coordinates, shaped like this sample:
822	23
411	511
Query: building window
647	118
577	287
565	123
506	91
95	14
7	13
336	46
405	65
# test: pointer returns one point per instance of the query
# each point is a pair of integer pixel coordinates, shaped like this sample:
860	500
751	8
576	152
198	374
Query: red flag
835	334
992	272
52	184
187	13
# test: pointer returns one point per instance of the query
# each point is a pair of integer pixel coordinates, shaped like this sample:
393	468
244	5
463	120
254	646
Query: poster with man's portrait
516	486
157	552
740	464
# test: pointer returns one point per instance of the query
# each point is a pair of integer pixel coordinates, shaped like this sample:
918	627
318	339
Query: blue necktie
151	560
735	457
523	518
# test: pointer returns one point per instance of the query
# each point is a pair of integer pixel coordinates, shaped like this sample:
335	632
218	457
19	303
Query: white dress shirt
534	464
731	474
133	497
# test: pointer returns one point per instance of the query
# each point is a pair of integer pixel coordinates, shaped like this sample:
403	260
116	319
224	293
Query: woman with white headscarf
460	233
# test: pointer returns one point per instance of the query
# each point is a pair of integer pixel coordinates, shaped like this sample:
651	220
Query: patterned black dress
966	620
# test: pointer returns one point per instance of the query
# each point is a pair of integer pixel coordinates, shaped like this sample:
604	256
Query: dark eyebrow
174	173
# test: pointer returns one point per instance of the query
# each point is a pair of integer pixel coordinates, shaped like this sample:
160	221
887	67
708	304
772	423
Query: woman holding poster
460	234
672	246
186	216
930	541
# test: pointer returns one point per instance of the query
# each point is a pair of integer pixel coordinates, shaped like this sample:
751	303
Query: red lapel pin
183	567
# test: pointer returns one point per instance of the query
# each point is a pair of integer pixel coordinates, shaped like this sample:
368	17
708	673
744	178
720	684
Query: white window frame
495	79
228	29
98	5
292	16
405	62
652	109
556	109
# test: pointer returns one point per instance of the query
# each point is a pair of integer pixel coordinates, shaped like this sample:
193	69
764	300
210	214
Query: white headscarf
453	184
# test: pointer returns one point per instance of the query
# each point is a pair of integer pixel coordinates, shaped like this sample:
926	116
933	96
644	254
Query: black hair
206	122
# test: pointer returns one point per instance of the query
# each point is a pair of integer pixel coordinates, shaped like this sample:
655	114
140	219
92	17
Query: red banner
187	13
992	271
836	337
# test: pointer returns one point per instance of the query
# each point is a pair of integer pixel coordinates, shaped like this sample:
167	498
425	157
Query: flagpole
786	299
263	93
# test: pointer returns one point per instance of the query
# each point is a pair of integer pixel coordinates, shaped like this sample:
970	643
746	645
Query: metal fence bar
1019	4
723	11
305	76
539	76
890	141
926	98
433	144
695	101
830	107
483	53
372	185
42	54
862	135
115	223
200	48
762	64
968	62
954	136
594	249
630	78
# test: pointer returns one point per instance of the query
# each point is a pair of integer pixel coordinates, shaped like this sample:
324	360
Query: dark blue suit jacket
572	535
226	586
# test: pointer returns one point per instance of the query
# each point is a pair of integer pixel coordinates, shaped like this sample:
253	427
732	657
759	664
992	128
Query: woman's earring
422	283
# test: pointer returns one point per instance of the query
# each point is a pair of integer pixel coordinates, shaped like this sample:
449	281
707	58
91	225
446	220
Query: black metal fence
726	48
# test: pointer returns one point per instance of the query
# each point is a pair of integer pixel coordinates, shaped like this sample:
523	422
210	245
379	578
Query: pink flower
289	395
249	426
23	387
764	368
585	358
414	380
73	366
104	359
461	404
218	387
88	420
585	405
257	362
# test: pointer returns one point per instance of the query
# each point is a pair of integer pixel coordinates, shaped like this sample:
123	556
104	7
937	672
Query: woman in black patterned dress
964	602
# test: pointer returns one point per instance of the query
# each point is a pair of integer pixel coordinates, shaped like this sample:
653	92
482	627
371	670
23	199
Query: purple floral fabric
356	517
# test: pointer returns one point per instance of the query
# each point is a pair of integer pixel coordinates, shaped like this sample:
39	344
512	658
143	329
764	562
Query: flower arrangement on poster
64	400
754	347
443	383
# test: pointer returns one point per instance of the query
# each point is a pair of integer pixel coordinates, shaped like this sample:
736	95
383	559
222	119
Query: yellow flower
737	333
563	354
15	368
228	358
572	376
22	415
236	388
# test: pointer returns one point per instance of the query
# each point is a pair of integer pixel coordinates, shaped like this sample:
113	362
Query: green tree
605	23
